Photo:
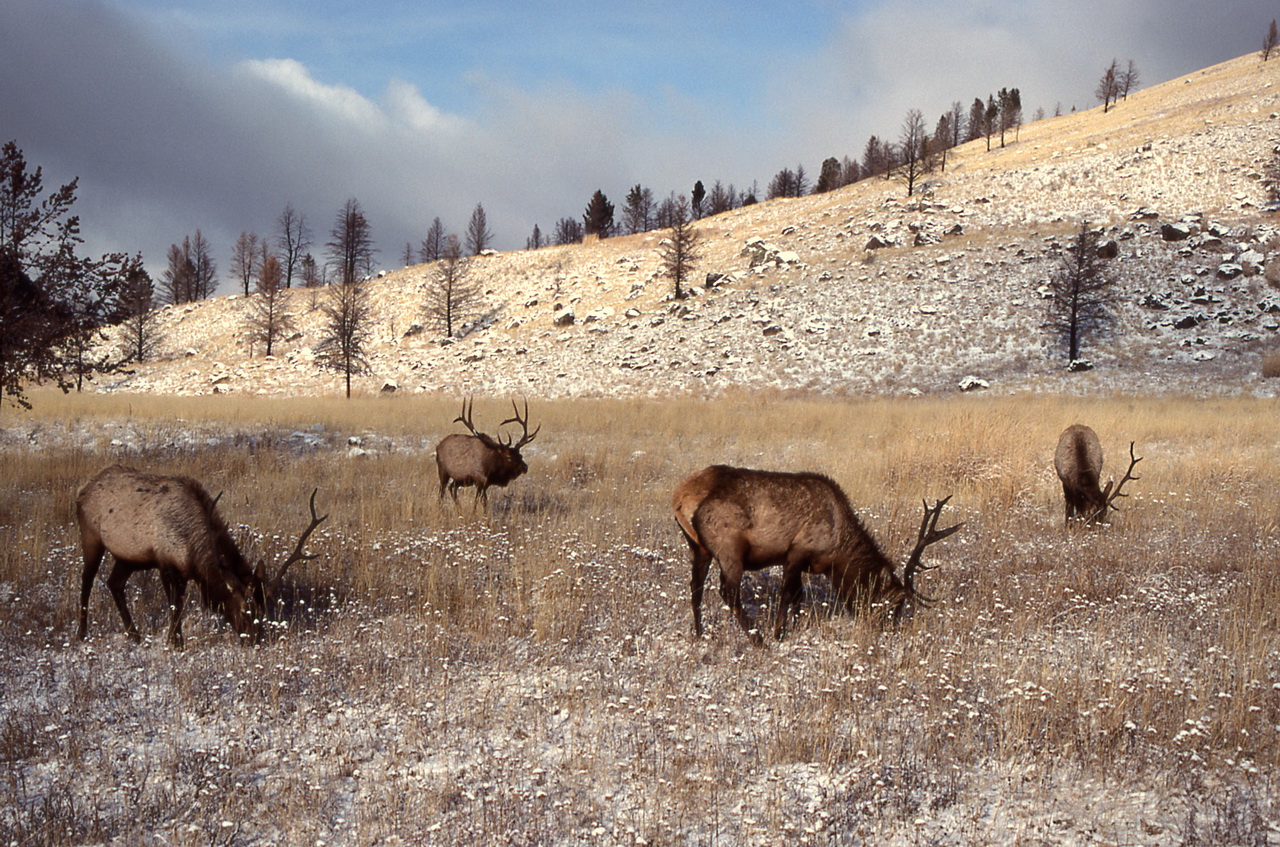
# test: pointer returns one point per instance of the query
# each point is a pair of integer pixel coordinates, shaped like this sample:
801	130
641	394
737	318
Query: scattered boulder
1252	262
1108	249
877	243
1079	365
565	318
973	383
1175	232
1229	270
389	387
1189	322
762	253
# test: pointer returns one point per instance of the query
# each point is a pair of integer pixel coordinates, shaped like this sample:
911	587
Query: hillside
957	293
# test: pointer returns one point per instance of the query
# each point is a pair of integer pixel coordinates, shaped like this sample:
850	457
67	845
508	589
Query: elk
170	524
481	460
750	519
1078	461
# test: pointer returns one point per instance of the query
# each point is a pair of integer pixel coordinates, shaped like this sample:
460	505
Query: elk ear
260	571
1106	492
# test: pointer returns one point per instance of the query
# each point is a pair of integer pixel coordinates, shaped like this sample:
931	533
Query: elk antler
524	425
929	533
297	555
1113	494
465	417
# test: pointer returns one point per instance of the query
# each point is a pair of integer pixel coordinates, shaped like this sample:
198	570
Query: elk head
1112	491
266	589
929	534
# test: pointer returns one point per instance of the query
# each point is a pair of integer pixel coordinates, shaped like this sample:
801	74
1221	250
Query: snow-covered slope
959	293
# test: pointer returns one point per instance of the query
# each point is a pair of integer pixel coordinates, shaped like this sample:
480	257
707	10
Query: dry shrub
1271	365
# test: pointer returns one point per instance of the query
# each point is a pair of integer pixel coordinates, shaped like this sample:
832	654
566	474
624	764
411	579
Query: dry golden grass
528	676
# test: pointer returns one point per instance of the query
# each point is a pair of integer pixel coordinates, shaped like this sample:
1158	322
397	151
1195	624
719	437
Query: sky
178	116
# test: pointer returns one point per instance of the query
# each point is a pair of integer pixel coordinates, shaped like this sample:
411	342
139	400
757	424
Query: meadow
529	675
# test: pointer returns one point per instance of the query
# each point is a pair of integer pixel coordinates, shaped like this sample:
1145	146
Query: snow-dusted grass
529	676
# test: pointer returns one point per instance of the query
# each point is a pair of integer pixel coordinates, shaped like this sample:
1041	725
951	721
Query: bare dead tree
1128	79
192	273
536	240
1080	291
351	243
1108	85
637	214
680	251
432	247
268	319
1270	41
568	231
451	296
345	331
293	240
912	150
245	254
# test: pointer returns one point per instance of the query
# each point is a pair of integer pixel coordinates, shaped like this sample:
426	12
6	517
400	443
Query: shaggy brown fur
167	523
749	519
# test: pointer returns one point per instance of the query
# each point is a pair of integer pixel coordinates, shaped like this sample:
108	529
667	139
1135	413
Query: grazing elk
750	520
481	460
170	523
1078	461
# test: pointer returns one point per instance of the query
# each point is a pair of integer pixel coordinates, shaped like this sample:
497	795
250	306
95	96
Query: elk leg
120	574
94	550
175	589
790	597
701	563
482	493
731	593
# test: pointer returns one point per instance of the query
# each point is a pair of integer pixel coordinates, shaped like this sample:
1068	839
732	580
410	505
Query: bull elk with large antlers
481	460
1078	461
171	524
749	520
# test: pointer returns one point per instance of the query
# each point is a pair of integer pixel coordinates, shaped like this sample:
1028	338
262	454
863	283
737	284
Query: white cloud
291	77
408	107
